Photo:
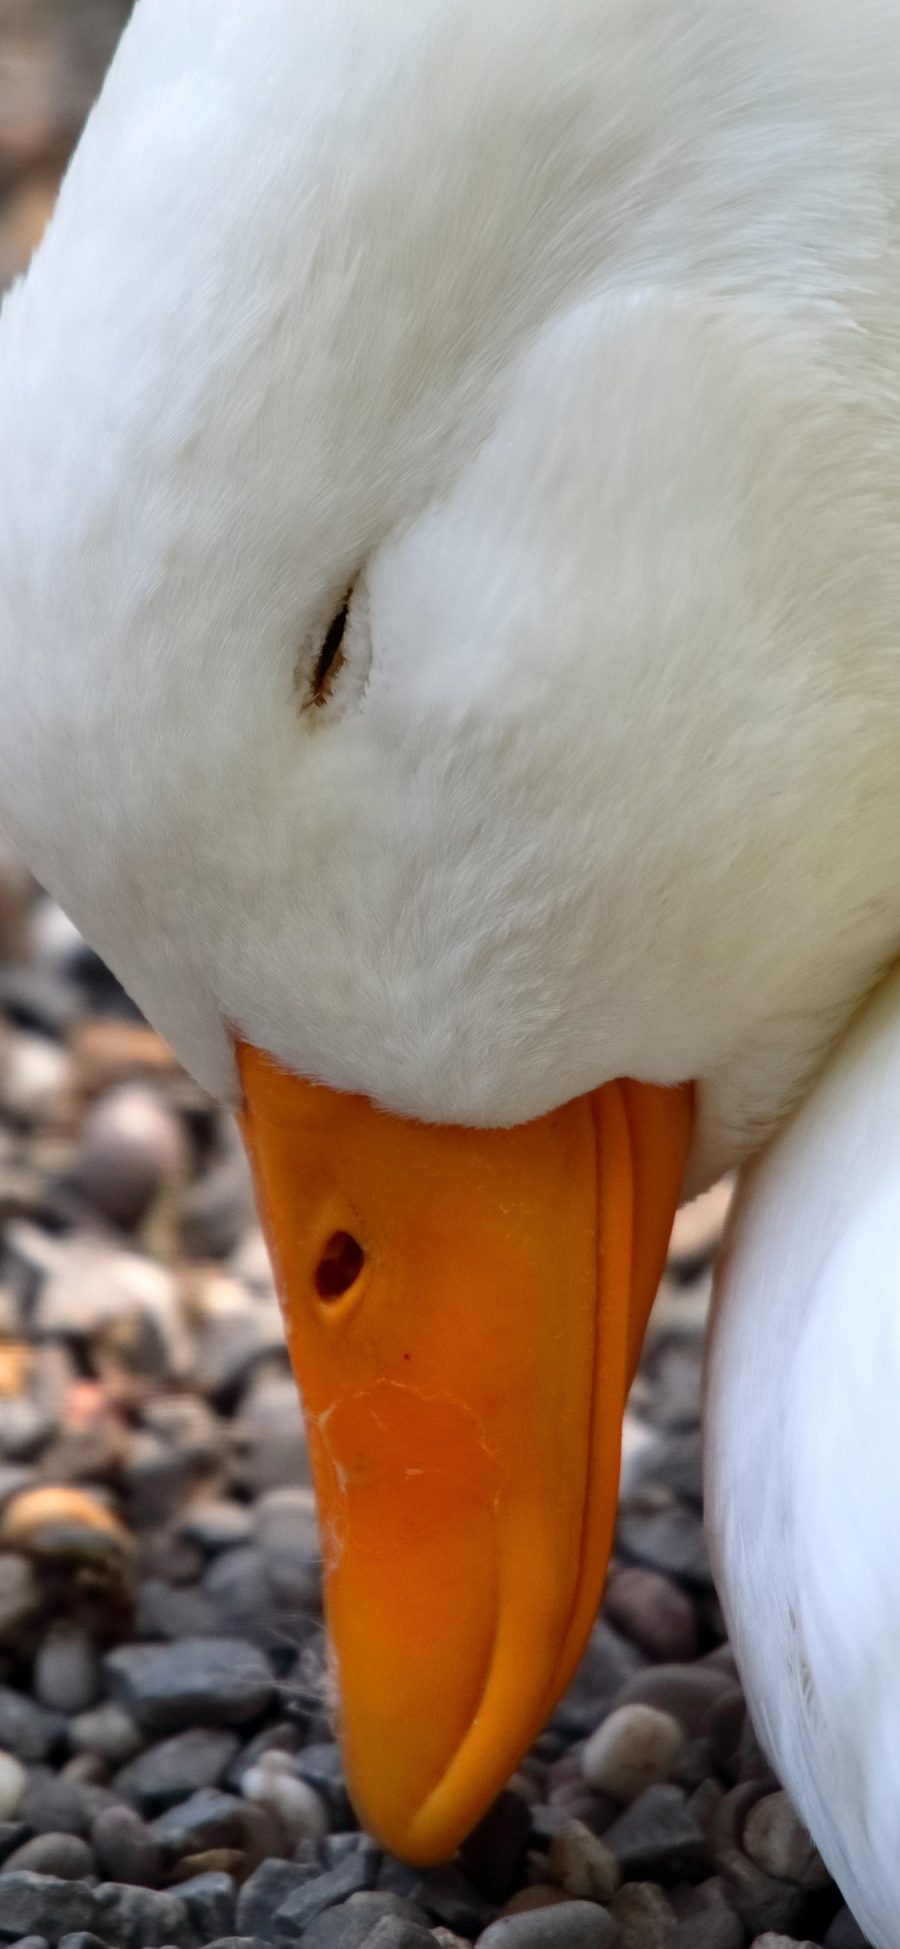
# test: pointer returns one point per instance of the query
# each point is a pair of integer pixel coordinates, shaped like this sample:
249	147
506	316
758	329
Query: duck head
444	596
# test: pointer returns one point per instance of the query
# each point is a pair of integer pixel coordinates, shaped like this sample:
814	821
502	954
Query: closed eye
330	659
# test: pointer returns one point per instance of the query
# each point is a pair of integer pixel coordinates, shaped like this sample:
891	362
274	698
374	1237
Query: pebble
268	1437
642	1916
204	1681
65	1855
689	1693
658	1839
845	1932
20	1597
760	1901
775	1838
207	1819
176	1767
13	1785
672	1541
108	1731
130	1148
582	1865
217	1524
717	1929
636	1746
33	1904
770	1941
653	1612
264	1892
139	1918
211	1902
67	1670
299	1807
54	1804
494	1852
569	1925
357	1871
125	1848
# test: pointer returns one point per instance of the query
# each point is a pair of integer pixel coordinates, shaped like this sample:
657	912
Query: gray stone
759	1900
56	1805
355	1872
350	1925
81	1939
688	1692
716	1929
64	1855
43	1905
567	1925
130	1146
450	1898
237	1942
25	1729
267	1888
67	1670
211	1903
140	1918
20	1597
582	1865
289	1541
125	1848
40	1941
12	1834
164	1612
217	1524
25	1428
178	1766
608	1663
106	1730
658	1839
207	1819
202	1681
393	1932
669	1540
269	1445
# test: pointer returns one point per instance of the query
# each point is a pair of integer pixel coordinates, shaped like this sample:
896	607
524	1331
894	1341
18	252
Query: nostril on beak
339	1267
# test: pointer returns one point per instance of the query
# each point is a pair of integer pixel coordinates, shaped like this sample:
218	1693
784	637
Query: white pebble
632	1749
297	1804
13	1785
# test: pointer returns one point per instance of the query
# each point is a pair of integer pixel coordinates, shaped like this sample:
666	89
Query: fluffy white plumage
568	335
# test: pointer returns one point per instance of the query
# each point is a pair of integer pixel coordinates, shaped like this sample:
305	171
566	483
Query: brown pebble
642	1915
581	1864
653	1612
540	1896
633	1748
775	1838
130	1147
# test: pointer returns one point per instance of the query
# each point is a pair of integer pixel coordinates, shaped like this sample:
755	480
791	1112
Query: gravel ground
168	1773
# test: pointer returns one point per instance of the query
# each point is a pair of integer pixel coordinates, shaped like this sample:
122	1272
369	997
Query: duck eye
330	657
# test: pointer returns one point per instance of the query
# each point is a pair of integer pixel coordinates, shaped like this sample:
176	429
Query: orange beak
464	1312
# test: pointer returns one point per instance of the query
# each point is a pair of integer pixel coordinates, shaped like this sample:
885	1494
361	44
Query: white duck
449	622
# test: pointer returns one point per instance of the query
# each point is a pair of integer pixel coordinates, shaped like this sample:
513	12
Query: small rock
393	1932
43	1905
653	1612
139	1918
632	1749
658	1839
608	1663
582	1865
569	1925
216	1524
64	1855
320	1763
108	1731
25	1729
759	1900
300	1809
69	1531
689	1693
25	1429
355	1923
269	1443
267	1888
125	1848
775	1838
770	1941
357	1871
67	1670
211	1902
56	1805
716	1929
208	1819
13	1785
20	1598
179	1766
36	1079
642	1916
81	1939
130	1147
204	1681
668	1540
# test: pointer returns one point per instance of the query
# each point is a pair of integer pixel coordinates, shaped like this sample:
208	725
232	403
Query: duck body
449	623
801	1456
